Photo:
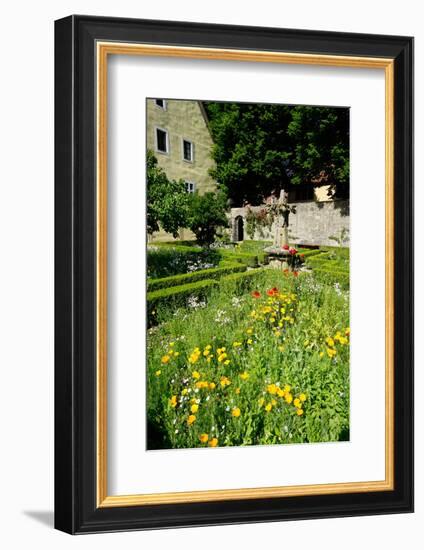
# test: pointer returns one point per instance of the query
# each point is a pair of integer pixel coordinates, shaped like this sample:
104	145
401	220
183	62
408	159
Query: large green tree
207	215
261	148
167	200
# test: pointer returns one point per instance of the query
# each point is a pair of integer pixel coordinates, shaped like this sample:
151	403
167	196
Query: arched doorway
238	228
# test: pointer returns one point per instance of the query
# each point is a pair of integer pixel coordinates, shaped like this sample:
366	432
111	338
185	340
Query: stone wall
313	223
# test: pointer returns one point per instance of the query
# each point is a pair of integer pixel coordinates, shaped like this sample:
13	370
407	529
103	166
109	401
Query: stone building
179	136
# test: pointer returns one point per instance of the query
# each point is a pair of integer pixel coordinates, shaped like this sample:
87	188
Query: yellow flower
330	342
236	412
171	344
203	438
287	388
249	330
272	389
165	359
212	386
196	375
171	352
297	403
224	381
176	353
191	419
289	398
277	333
302	397
206	352
173	401
321	354
158	372
250	341
244	375
268	407
184	392
280	392
222	357
194	408
237	391
347	331
299	412
273	402
236	344
227	362
213	442
331	352
281	348
261	401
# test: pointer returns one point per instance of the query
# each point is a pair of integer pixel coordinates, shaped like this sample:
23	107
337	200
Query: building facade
178	134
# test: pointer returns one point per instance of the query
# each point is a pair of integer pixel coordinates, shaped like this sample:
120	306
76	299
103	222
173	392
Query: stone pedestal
278	258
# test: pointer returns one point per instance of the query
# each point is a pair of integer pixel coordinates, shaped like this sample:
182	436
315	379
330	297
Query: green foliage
176	280
206	215
165	261
162	302
241	399
167	200
250	260
332	275
261	148
239	283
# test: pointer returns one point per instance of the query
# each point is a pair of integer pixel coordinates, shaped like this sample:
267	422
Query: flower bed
269	365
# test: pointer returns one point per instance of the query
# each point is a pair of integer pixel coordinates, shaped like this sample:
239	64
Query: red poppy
272	291
286	271
302	255
256	294
295	273
285	247
293	251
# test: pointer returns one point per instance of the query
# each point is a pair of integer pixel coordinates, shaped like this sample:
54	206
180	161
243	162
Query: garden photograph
248	254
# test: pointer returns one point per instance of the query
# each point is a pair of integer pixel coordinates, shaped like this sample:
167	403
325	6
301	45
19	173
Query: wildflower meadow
263	363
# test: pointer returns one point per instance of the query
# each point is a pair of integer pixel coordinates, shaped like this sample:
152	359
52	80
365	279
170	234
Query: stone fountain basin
276	251
277	257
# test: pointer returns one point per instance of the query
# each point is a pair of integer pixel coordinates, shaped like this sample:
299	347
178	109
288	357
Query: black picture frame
76	510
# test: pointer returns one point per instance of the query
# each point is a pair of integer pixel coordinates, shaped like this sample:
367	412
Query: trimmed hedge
250	260
176	296
242	281
310	253
333	276
212	273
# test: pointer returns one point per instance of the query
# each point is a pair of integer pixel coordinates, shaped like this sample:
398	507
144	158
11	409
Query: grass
240	370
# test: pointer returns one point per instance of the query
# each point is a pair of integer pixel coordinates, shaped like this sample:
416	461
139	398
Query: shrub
328	275
174	297
206	216
242	282
177	280
250	260
165	261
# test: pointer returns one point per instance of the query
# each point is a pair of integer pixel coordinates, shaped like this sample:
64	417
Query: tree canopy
261	148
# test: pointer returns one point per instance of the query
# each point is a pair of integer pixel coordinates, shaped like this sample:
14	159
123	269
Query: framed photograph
234	274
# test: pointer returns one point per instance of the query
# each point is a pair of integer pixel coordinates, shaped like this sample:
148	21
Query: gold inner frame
104	49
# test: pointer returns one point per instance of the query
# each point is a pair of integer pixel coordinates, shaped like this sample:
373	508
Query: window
161	103
190	186
188	150
162	142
